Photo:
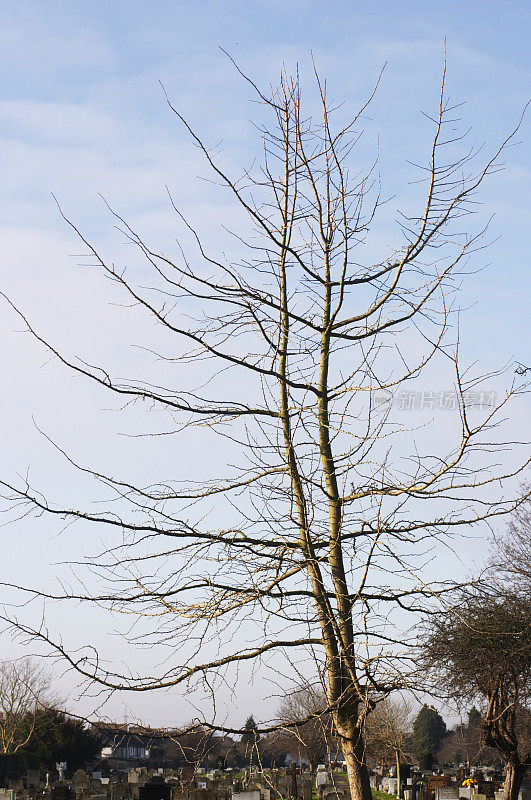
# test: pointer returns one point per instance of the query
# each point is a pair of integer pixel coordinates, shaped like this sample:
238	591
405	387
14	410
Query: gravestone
120	791
81	784
321	778
437	782
32	777
335	793
447	793
61	792
252	794
155	791
282	785
488	787
306	781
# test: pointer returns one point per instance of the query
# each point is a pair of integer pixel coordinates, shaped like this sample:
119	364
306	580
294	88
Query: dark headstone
61	793
154	791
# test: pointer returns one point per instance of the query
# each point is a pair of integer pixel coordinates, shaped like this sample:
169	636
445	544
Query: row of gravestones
197	794
140	784
86	787
281	785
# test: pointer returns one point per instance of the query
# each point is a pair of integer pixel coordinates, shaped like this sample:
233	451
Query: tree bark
353	747
513	780
398	786
358	774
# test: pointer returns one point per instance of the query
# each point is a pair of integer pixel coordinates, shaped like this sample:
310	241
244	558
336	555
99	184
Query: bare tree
464	743
336	504
511	560
310	723
24	692
388	734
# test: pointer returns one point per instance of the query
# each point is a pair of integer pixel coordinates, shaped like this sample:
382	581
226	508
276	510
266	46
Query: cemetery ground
107	778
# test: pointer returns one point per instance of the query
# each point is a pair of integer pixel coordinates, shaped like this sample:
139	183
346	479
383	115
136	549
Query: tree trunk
358	775
513	780
398	786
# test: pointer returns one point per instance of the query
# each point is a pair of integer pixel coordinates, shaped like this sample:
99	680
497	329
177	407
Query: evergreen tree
58	737
474	717
429	729
250	735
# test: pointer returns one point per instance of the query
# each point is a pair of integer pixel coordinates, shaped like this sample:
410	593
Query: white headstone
447	793
321	779
254	794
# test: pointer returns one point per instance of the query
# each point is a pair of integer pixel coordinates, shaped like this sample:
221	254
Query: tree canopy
58	737
24	694
480	649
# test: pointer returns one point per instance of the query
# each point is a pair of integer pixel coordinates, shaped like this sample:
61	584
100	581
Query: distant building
127	746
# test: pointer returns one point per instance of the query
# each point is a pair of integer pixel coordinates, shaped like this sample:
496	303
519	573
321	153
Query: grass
378	795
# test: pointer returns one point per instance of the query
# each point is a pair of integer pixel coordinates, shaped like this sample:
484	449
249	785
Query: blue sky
82	113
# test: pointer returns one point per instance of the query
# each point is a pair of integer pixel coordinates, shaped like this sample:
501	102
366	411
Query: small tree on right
480	649
511	559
